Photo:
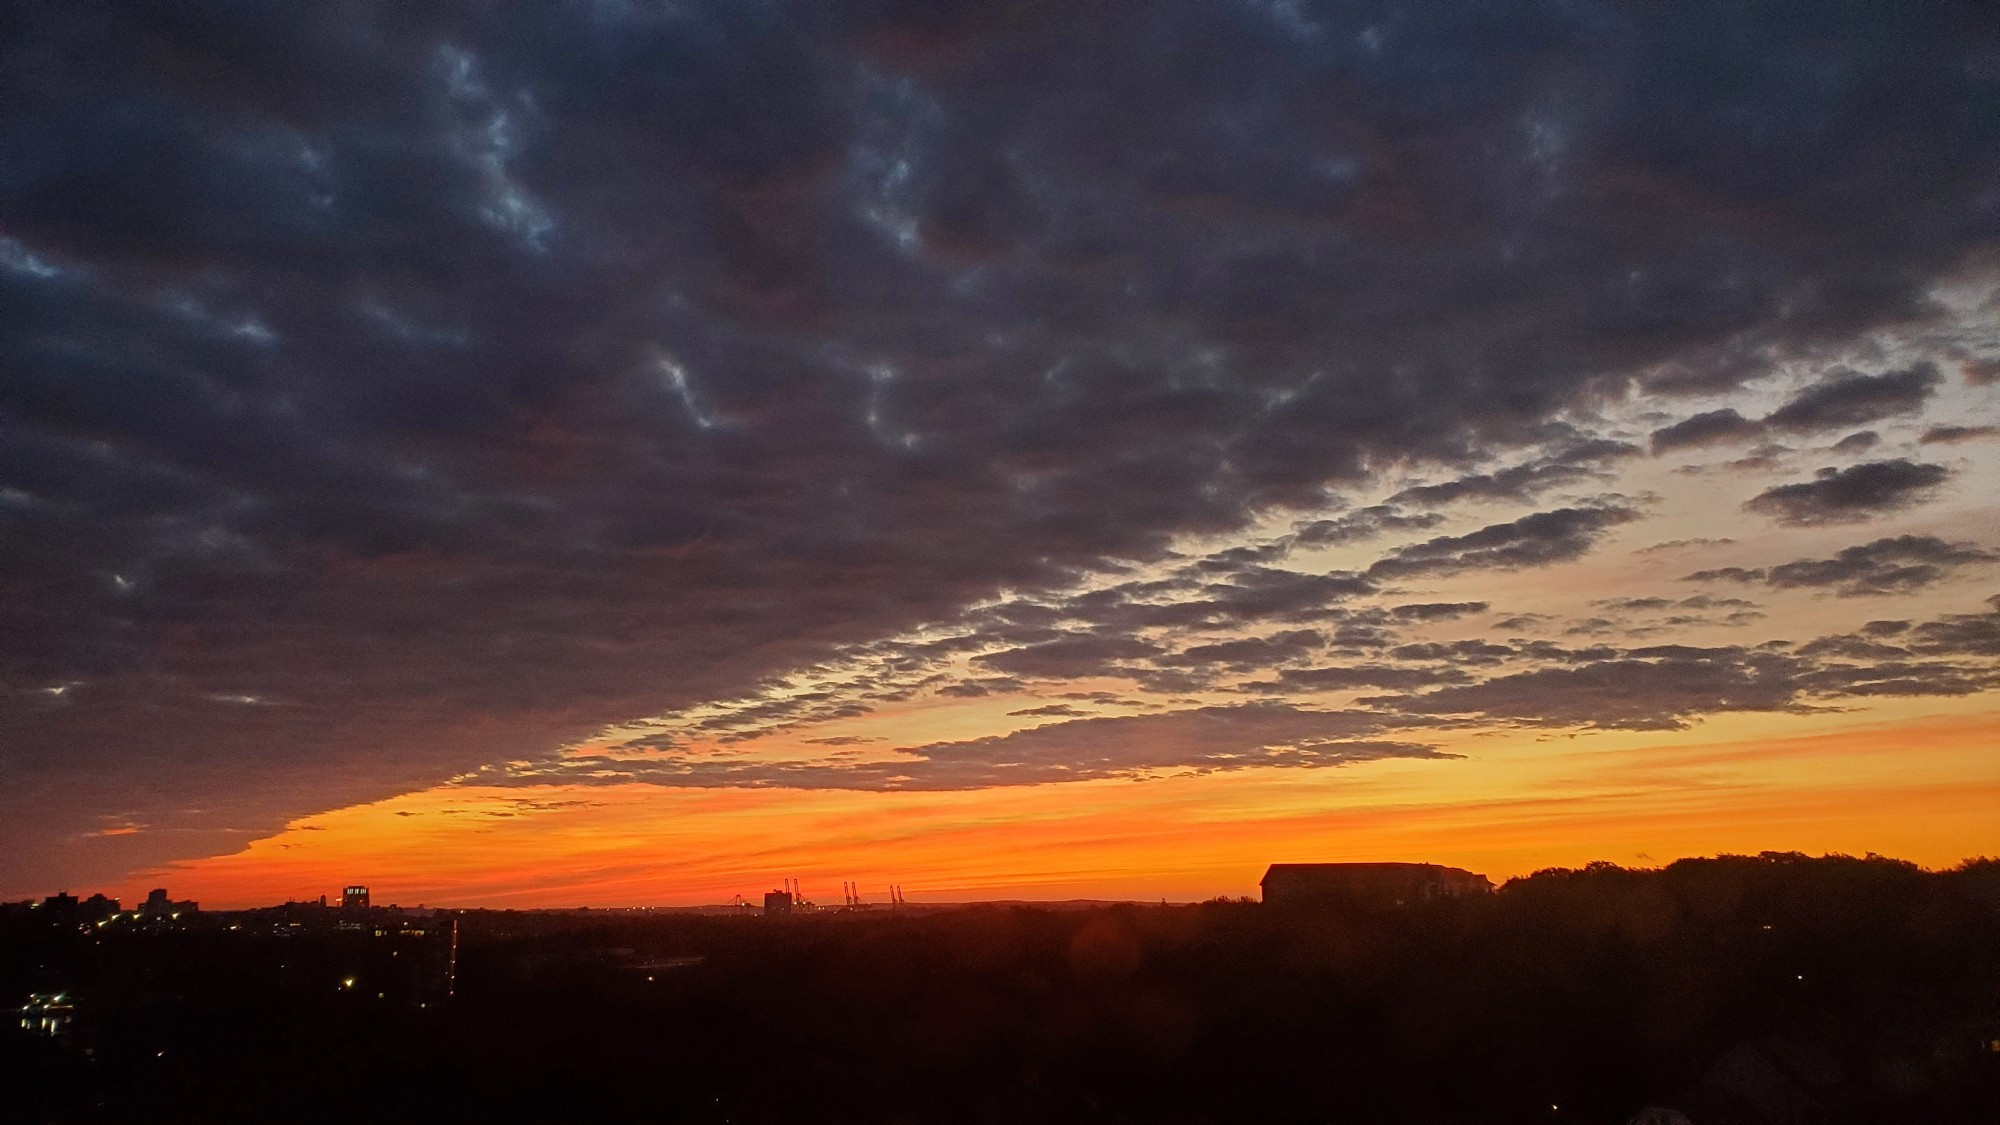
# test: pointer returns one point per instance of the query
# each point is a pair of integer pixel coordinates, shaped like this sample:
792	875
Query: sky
631	453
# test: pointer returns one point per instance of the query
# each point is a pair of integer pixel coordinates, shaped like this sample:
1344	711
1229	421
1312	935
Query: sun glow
1918	786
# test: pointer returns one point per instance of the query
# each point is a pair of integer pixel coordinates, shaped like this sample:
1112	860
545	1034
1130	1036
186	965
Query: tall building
777	902
158	905
354	898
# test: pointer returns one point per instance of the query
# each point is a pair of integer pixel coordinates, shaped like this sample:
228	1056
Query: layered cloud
1706	428
1431	688
1898	564
1842	399
1534	540
1203	739
1852	398
1851	495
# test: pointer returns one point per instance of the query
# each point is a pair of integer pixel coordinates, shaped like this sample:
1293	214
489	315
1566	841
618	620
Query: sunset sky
621	453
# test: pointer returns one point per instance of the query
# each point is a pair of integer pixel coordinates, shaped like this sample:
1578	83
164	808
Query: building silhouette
1368	884
777	902
158	905
354	898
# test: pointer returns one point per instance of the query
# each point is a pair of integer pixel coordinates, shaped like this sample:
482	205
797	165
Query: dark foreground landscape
1735	990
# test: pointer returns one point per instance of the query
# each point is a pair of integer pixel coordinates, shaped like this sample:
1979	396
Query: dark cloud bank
394	391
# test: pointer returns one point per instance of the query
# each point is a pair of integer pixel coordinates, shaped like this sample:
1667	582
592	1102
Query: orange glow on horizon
1924	788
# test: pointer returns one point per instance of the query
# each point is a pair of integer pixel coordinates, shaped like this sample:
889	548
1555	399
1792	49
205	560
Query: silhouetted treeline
1735	991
